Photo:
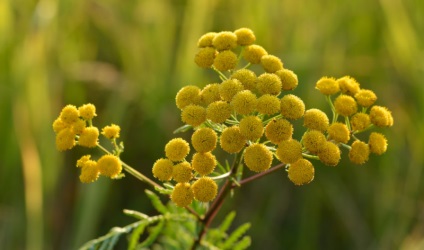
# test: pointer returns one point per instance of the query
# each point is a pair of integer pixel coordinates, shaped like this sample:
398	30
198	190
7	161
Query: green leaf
227	222
182	129
135	236
136	214
243	243
156	202
154	233
236	235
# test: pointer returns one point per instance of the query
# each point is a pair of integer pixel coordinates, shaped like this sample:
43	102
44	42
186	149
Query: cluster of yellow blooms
74	127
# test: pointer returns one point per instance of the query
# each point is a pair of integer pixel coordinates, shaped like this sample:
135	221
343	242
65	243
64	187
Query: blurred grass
130	58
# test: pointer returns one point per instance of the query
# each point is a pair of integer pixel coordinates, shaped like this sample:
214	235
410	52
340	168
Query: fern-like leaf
156	202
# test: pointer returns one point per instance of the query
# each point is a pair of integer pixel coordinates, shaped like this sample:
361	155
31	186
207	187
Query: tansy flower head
205	189
203	163
253	53
204	140
206	40
348	85
219	111
187	95
313	140
288	79
182	195
345	105
292	107
360	121
315	119
229	88
338	132
225	40
278	130
381	116
257	157
205	57
244	102
89	172
268	104
182	172
329	154
301	172
210	93
245	36
231	140
289	151
88	137
87	111
377	143
65	139
251	128
111	132
69	114
162	169
246	77
225	60
359	152
365	97
193	115
83	160
78	126
327	86
177	149
109	165
59	125
271	63
268	83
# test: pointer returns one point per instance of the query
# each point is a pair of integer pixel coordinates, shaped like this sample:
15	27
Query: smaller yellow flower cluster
108	165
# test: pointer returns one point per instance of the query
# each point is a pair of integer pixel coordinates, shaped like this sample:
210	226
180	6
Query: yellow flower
188	95
377	143
253	53
65	139
288	78
83	160
345	105
225	60
89	172
338	132
204	140
219	111
271	64
232	141
245	36
292	107
193	115
203	163
225	40
111	132
182	195
109	165
257	157
205	57
205	189
206	40
87	111
268	83
301	172
278	130
359	152
348	85
210	94
329	154
229	88
251	127
88	137
69	114
244	102
365	97
246	77
182	172
59	125
327	86
78	126
268	104
313	140
289	151
162	169
315	119
177	149
360	121
381	116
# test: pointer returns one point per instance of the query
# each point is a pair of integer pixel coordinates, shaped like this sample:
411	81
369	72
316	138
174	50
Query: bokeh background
129	58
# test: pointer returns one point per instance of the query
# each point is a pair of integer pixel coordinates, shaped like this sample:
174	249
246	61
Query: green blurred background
129	58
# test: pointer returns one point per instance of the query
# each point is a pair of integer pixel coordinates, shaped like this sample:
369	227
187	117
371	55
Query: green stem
347	123
224	77
346	146
333	110
312	157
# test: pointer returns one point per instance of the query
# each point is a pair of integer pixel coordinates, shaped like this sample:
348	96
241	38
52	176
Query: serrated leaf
182	129
227	222
156	202
243	243
112	242
136	214
162	190
153	235
135	236
236	235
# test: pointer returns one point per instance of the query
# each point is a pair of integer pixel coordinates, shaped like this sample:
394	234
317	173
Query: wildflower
313	140
206	40
289	151
328	86
203	163
205	57
329	154
338	132
83	160
278	130
365	97
177	149
301	172
257	157
360	121
232	141
193	115
219	111
315	119
69	114
251	127
205	189
182	195
89	172
162	169
377	143
381	116
245	36
204	140
187	95
288	79
111	132
88	137
210	94
268	104
246	77
253	53
59	125
78	126
345	105
229	88
225	60
348	85
271	64
292	107
109	165
359	152
65	139
225	40
244	102
182	172
268	83
87	111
